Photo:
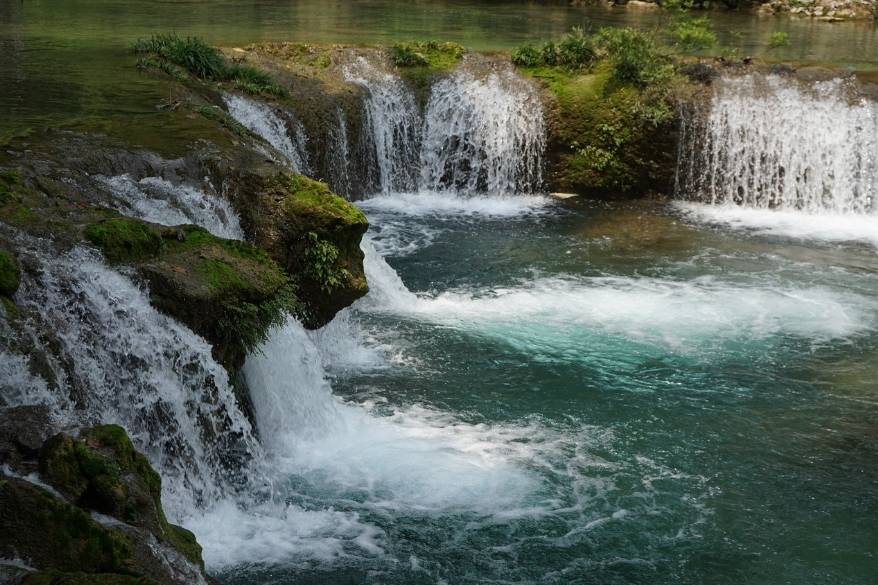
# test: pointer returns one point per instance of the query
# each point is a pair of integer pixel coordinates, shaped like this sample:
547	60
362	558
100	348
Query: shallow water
547	393
65	61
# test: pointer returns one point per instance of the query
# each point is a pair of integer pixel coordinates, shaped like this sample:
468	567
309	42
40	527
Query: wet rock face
85	509
313	234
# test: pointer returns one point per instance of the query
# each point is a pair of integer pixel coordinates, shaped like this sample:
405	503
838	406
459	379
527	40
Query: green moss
9	306
12	187
613	137
124	240
10	275
430	54
57	535
306	196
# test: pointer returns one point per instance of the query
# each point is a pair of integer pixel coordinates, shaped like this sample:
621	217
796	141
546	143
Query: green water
600	394
63	62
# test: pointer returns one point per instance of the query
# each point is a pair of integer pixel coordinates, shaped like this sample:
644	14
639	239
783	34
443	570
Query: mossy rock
228	291
421	63
54	534
315	236
12	186
100	470
10	275
606	138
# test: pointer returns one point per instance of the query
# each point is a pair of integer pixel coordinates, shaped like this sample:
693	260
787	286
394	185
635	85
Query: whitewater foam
264	121
159	201
683	315
791	224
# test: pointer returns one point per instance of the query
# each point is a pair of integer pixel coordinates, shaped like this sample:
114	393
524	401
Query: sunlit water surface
580	393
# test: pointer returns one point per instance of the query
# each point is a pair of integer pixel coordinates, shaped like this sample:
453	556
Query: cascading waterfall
264	121
159	201
483	134
772	143
121	361
340	156
392	125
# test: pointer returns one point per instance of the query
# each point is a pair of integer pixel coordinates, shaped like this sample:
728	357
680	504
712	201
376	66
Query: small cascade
482	131
340	156
483	134
159	201
264	121
392	125
121	361
774	143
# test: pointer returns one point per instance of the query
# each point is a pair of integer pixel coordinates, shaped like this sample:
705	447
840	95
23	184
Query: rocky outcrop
85	509
313	234
227	291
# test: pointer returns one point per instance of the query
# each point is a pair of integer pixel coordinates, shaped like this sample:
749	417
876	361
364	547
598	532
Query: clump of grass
575	50
432	54
176	56
778	39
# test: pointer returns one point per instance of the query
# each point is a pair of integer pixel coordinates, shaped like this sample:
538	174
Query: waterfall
159	201
264	121
774	143
340	156
481	132
392	124
121	361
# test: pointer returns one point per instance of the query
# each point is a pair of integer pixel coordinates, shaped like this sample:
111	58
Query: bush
634	56
778	39
255	81
191	53
527	56
426	54
576	50
693	34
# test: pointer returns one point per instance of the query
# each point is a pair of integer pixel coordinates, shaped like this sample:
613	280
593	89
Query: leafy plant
634	56
778	39
527	56
322	258
693	34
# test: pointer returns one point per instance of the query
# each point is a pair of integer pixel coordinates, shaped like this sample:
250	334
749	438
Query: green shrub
693	34
527	56
255	81
778	39
634	56
576	50
431	54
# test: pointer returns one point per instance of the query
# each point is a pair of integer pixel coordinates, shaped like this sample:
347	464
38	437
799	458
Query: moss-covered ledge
227	291
313	234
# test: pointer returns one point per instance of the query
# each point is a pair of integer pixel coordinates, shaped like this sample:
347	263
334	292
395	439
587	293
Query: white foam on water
276	533
416	458
159	201
676	314
437	204
791	224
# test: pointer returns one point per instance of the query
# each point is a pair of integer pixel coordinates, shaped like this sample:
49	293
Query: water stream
532	392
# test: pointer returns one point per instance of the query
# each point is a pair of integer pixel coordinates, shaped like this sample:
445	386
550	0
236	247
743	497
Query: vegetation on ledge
180	57
612	113
228	291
